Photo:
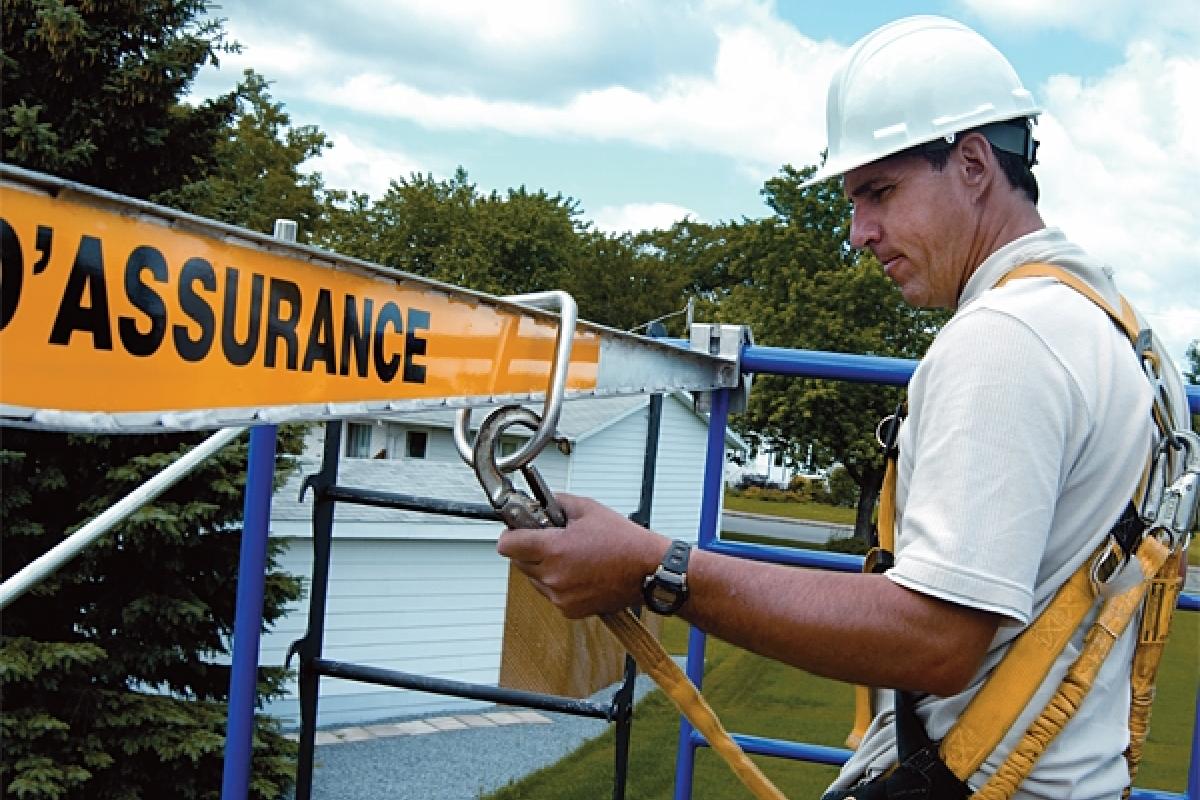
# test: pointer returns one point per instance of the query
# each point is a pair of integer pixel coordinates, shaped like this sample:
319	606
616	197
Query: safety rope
659	665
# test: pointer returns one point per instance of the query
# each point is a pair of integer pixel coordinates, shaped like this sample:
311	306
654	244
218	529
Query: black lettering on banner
144	299
320	335
86	278
45	238
386	370
240	353
197	309
280	327
414	345
357	334
12	272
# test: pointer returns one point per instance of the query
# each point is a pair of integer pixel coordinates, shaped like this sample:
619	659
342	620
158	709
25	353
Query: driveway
785	529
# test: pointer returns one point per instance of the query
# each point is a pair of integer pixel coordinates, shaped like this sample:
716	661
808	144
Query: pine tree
113	671
92	90
113	681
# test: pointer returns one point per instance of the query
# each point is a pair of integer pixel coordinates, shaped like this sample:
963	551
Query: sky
649	111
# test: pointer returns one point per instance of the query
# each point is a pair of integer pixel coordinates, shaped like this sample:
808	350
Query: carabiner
1174	511
517	509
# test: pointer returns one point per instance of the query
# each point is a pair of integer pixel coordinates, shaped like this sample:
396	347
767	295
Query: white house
424	593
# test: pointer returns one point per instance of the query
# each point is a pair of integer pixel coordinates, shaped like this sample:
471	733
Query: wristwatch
666	589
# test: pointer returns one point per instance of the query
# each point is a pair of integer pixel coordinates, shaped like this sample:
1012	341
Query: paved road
802	532
784	529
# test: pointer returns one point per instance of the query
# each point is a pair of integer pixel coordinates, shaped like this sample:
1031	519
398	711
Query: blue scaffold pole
247	621
710	512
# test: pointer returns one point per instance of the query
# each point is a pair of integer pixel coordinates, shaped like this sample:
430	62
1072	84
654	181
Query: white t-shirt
1027	430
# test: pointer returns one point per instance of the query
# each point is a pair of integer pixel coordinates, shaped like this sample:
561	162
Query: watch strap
665	590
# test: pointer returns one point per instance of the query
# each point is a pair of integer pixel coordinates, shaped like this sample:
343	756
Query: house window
415	443
509	445
358	440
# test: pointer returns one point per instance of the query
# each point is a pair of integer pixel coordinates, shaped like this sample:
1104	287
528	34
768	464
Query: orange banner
113	313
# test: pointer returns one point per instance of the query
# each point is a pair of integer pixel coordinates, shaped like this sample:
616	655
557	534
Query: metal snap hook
516	508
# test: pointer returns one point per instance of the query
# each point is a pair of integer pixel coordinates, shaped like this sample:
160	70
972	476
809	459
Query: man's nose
864	230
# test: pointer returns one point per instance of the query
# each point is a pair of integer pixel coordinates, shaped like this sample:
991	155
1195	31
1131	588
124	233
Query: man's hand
595	565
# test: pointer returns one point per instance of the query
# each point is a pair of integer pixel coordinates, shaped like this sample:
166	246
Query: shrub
843	491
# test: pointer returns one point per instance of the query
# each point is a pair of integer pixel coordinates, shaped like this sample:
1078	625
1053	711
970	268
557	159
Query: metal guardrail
832	366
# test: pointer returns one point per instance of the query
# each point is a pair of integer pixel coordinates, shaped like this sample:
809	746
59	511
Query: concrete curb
423	727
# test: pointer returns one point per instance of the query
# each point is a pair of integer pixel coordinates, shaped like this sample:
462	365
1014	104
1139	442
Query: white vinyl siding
430	608
425	593
608	466
679	477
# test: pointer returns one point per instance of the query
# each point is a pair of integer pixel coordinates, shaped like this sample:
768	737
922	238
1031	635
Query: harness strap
1098	643
994	709
1015	680
879	559
1152	640
996	706
1125	319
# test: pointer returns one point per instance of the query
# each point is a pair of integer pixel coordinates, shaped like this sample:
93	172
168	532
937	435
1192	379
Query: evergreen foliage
92	89
115	670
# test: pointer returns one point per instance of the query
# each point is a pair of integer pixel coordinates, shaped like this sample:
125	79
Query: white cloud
731	80
535	49
638	217
750	98
755	106
1121	158
365	167
1104	20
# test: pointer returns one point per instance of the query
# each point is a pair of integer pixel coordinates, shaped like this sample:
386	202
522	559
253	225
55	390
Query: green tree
690	259
796	282
511	243
114	681
257	178
620	284
112	670
420	225
91	91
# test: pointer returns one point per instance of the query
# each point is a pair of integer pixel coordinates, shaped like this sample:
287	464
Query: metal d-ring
568	313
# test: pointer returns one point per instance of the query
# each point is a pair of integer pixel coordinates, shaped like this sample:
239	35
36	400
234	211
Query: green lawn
757	696
765	698
817	512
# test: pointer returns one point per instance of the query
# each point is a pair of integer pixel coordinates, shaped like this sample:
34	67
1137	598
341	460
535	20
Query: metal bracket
564	339
727	342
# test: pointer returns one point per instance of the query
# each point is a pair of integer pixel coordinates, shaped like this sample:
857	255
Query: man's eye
882	192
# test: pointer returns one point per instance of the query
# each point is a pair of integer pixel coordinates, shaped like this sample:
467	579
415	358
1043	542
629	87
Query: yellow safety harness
1012	685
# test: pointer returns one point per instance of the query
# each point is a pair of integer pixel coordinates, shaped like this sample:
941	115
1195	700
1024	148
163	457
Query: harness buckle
1113	571
1172	514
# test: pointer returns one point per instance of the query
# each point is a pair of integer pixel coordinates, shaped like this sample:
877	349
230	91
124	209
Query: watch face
664	592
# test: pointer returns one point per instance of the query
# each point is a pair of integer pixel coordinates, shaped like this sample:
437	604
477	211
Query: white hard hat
914	81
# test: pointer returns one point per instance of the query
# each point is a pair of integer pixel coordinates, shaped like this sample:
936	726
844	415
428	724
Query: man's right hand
595	565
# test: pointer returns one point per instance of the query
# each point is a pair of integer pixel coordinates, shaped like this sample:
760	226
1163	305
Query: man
1028	427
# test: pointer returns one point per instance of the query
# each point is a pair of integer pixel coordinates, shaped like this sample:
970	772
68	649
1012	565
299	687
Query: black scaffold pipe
472	691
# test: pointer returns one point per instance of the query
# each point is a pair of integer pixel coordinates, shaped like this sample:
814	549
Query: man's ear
976	161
